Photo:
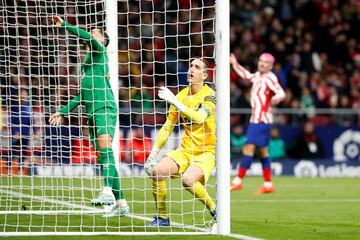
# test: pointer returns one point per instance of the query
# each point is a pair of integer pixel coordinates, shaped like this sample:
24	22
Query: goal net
49	174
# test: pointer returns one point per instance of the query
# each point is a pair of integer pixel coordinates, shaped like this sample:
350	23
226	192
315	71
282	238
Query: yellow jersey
197	138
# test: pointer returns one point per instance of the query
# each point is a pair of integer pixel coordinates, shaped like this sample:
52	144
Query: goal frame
222	76
222	227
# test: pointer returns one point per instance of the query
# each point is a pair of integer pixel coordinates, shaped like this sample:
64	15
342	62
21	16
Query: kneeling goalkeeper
97	97
195	158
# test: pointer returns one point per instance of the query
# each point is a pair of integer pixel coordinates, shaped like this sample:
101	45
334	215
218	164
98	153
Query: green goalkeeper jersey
95	91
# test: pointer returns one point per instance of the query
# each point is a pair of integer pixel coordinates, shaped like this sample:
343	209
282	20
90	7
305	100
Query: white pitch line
87	210
49	200
51	212
351	200
93	233
243	237
200	231
236	236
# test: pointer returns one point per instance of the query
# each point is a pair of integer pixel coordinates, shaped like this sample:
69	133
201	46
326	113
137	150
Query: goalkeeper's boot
159	222
265	190
103	199
118	211
213	214
234	186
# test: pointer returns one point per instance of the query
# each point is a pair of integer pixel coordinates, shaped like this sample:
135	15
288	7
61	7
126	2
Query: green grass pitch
299	209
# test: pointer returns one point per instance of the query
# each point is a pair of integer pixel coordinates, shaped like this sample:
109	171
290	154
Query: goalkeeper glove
167	95
151	163
196	116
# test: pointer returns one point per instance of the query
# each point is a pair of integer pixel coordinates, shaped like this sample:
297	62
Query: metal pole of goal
222	117
112	52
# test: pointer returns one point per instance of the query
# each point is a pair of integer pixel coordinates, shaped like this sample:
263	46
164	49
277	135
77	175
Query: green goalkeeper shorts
101	122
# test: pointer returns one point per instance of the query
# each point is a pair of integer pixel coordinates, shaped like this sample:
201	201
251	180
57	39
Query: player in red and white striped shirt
265	92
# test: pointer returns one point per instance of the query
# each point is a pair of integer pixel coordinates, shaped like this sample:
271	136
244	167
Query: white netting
49	174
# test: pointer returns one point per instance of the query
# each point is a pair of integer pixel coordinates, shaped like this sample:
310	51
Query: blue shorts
258	134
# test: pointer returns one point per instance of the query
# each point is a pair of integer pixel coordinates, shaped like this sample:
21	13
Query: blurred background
317	50
315	43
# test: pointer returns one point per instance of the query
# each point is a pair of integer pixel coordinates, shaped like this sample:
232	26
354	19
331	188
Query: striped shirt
265	91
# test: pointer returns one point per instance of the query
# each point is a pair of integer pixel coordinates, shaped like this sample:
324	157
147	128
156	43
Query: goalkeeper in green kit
96	95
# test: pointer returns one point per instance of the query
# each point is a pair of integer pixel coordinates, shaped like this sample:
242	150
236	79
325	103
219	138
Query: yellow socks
159	192
200	192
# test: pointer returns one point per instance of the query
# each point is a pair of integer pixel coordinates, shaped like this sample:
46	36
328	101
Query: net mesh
49	174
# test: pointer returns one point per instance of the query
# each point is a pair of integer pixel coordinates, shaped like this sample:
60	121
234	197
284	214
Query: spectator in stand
333	99
308	145
139	146
1	115
4	142
307	102
140	99
318	38
36	144
82	149
235	94
35	151
277	149
237	141
122	147
20	125
4	149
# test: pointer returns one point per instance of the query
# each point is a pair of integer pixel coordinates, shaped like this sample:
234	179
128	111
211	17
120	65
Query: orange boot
264	190
234	187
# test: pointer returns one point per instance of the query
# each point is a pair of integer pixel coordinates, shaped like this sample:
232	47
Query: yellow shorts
205	161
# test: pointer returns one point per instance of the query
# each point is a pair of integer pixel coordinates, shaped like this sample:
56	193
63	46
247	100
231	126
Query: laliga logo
306	169
347	146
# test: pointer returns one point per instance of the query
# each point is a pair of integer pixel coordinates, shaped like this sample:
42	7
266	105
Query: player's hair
106	37
206	63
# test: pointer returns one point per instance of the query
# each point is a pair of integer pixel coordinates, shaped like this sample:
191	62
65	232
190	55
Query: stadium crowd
316	46
315	43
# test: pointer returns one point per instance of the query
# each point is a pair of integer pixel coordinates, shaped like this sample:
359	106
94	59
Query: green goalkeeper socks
107	163
111	175
116	187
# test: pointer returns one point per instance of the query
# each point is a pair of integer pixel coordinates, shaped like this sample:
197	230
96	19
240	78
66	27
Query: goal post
112	52
223	116
49	174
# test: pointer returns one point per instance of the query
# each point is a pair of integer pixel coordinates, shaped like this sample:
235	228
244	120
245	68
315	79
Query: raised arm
70	106
197	116
95	44
240	70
